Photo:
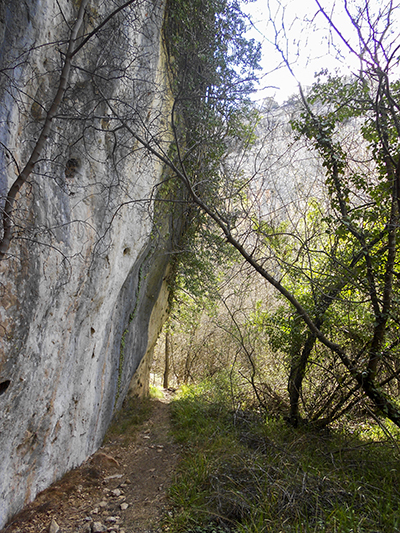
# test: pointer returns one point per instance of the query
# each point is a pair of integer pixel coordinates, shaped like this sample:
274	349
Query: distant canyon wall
83	278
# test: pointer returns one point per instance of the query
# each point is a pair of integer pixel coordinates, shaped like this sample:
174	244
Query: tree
363	219
352	271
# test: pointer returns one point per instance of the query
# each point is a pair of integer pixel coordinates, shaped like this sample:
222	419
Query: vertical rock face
83	275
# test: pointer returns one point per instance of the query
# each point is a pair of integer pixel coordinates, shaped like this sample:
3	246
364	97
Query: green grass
242	472
155	392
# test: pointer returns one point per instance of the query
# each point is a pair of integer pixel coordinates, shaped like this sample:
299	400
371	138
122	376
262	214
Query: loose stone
115	476
116	492
54	527
98	527
124	506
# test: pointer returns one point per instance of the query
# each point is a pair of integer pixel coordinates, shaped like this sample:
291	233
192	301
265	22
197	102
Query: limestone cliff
84	271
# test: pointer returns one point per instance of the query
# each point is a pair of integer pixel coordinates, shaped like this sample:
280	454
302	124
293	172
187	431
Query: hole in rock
4	386
92	331
71	167
127	251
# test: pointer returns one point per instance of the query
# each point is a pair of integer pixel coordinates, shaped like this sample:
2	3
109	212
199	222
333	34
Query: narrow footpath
121	489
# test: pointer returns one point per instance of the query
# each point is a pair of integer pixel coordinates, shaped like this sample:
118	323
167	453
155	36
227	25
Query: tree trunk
297	372
167	358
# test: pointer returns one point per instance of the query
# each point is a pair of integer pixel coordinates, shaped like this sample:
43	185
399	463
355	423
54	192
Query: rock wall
86	265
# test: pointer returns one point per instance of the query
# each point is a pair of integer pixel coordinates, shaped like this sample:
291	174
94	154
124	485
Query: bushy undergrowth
247	473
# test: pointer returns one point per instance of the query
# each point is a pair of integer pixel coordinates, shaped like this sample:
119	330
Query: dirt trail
121	489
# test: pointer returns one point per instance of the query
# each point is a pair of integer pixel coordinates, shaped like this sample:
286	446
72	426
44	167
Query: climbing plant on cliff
213	70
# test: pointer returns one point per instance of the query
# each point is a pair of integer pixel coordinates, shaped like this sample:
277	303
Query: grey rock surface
82	292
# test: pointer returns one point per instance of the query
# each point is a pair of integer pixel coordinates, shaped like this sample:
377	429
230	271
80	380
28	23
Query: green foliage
338	260
338	102
210	54
203	254
213	69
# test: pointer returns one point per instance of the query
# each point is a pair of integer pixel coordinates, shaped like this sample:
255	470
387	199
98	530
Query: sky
303	36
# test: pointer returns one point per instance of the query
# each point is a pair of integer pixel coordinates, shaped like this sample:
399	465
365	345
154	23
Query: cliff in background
83	277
